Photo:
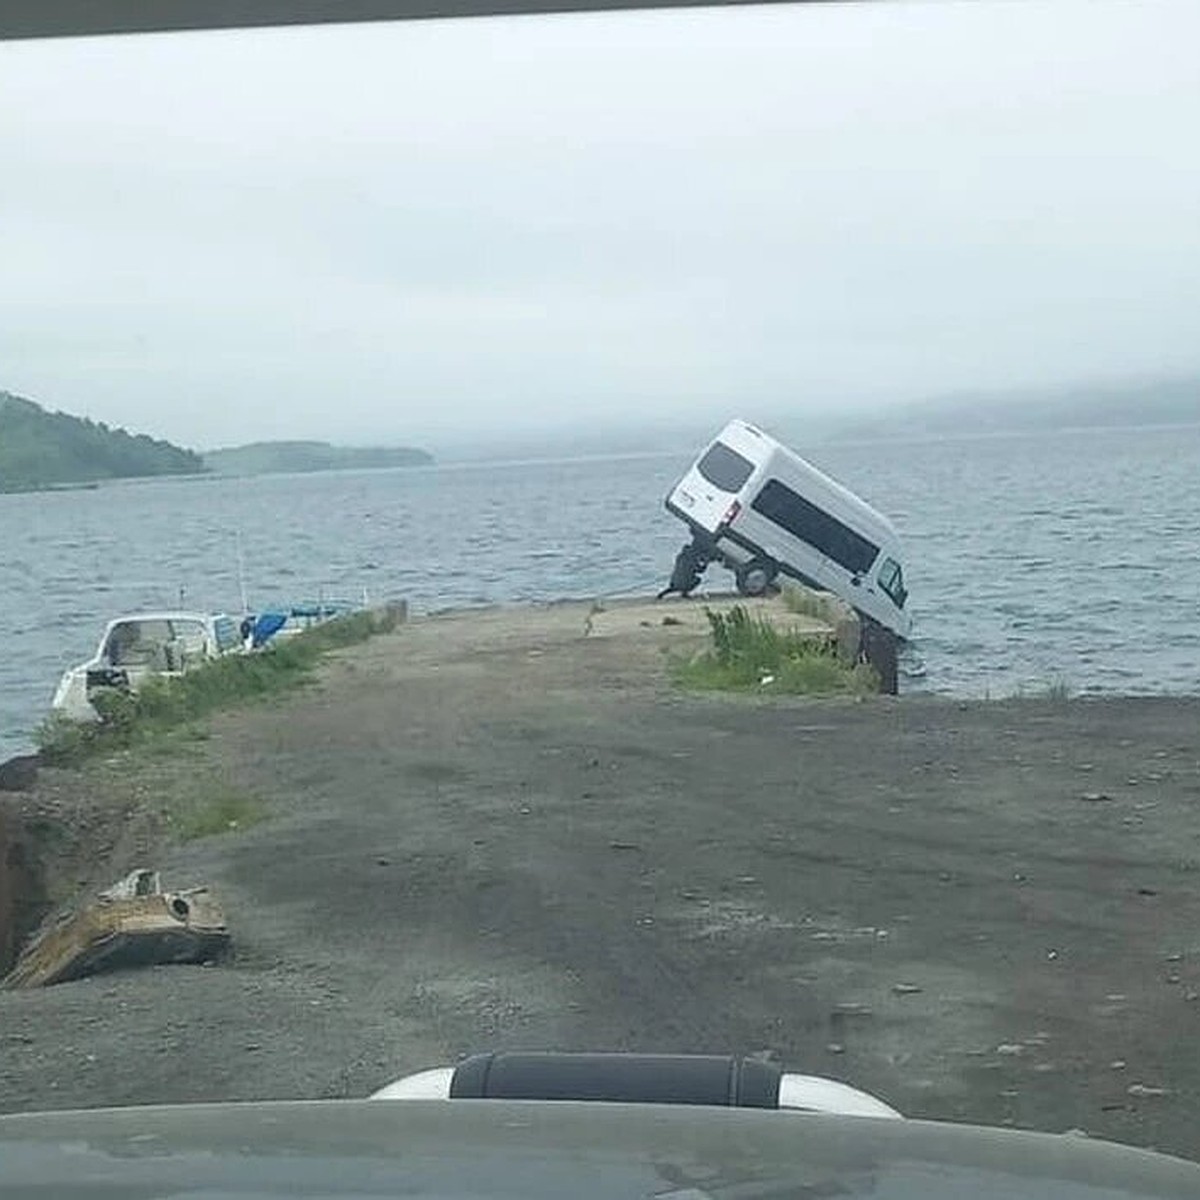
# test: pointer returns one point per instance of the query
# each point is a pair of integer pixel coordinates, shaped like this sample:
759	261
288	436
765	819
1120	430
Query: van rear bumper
698	531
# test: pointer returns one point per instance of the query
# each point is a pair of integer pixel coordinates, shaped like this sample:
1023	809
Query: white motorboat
139	646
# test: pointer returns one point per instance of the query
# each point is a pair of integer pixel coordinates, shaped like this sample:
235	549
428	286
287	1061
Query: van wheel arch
756	577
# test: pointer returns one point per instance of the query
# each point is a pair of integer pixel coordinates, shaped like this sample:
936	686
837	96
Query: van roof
743	436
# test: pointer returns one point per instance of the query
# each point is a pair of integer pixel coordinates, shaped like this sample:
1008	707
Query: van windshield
725	468
891	579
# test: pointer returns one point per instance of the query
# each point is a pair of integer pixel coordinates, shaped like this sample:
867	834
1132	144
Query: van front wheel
756	577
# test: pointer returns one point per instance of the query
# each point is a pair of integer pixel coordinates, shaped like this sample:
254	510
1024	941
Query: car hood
559	1149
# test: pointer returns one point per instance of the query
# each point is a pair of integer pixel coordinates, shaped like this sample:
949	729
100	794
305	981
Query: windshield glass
725	468
891	579
226	633
191	636
139	643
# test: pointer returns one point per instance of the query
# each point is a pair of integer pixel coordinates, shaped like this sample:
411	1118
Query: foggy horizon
678	432
439	233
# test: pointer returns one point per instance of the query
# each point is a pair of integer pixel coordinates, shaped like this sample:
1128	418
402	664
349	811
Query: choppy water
1071	556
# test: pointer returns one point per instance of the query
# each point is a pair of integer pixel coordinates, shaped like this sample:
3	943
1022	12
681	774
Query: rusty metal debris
133	923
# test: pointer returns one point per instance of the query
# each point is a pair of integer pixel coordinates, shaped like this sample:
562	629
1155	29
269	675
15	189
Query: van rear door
705	495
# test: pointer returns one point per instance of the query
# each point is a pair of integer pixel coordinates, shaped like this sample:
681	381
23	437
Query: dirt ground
503	830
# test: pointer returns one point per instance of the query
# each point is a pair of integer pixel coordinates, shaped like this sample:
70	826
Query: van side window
777	502
725	468
891	579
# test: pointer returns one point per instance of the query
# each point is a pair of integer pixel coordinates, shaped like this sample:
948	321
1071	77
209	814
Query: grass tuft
1058	690
218	810
751	654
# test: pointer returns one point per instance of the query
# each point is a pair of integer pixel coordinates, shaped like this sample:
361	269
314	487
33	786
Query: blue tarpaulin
266	626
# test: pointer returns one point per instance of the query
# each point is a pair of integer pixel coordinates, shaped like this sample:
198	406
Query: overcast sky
399	232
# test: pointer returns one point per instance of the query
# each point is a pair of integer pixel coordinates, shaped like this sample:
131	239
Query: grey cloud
383	232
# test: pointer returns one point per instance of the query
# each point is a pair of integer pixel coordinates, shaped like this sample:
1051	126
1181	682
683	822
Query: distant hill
40	449
264	458
1171	402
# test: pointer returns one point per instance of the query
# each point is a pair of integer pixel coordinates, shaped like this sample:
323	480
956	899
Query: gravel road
506	829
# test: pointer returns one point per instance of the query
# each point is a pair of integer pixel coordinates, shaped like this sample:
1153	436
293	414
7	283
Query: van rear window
777	502
725	468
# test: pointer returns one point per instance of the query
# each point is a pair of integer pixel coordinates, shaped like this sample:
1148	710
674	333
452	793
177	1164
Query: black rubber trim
77	18
721	1080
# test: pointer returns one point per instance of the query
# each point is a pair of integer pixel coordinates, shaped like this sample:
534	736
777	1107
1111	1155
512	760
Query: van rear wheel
756	577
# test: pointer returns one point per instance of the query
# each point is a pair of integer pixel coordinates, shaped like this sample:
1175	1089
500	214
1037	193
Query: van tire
756	577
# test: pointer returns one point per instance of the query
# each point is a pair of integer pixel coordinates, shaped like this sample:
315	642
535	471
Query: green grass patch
1057	691
212	811
161	704
752	654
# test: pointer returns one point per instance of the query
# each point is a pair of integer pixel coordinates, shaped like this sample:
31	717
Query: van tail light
731	513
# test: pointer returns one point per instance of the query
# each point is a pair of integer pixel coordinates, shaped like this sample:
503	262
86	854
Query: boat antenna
241	567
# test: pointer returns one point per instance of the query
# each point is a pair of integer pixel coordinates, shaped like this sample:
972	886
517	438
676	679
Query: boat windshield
139	644
191	636
227	634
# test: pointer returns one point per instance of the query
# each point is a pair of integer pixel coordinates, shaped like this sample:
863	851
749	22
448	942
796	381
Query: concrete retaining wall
857	637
